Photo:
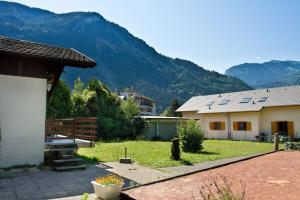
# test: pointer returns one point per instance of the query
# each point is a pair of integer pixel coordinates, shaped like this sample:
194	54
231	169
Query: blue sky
215	34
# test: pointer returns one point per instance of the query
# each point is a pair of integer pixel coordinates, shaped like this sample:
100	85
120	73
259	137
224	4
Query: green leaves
59	105
191	136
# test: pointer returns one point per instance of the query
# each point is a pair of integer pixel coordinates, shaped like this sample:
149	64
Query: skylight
224	102
262	99
246	100
210	103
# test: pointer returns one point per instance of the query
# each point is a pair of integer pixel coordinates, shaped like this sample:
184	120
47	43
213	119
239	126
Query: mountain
274	73
123	60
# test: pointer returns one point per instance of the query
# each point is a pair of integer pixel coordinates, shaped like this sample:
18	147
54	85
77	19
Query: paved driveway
49	184
272	176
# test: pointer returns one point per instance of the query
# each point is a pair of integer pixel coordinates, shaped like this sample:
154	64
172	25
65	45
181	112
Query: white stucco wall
289	113
228	118
216	134
22	120
253	117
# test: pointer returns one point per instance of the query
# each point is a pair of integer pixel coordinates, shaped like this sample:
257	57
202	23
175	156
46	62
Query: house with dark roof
246	115
28	73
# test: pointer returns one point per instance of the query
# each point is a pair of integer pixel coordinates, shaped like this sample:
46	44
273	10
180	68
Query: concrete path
137	172
143	175
46	184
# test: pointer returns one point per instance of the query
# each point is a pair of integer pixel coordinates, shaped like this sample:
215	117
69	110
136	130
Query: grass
156	154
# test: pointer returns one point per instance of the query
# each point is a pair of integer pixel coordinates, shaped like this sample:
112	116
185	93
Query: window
246	100
242	126
217	125
262	99
224	102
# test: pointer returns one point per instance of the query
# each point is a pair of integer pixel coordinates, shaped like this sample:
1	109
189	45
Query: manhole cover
279	182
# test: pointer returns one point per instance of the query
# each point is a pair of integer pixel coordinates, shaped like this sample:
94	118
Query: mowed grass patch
156	154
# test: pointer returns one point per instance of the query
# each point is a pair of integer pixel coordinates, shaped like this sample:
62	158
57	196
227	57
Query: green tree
112	121
80	97
171	110
59	105
130	108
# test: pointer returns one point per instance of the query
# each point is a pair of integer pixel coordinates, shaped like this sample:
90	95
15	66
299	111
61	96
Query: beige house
247	114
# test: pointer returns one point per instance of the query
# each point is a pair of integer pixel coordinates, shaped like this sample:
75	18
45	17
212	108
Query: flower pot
107	192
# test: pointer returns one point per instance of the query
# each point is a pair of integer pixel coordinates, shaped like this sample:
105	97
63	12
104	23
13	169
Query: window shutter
274	127
222	125
211	125
291	129
248	126
235	126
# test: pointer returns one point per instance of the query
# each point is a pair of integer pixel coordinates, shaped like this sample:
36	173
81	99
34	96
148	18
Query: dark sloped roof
65	56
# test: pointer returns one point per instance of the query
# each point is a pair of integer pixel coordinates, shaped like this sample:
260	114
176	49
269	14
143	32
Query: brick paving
273	176
45	184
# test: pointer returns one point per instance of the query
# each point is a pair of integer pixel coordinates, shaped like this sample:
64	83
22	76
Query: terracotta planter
107	192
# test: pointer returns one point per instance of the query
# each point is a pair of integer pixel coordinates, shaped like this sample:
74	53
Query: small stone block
125	161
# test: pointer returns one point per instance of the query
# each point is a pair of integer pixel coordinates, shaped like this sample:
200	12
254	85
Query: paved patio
145	175
40	184
273	176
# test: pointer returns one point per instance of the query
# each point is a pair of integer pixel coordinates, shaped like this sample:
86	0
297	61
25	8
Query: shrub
292	146
191	136
175	149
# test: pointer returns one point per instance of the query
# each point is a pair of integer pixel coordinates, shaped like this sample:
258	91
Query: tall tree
80	97
59	105
171	110
130	108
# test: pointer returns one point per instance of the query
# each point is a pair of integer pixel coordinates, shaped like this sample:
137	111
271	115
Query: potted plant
108	187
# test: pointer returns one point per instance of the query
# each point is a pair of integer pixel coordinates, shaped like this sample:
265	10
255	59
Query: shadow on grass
88	160
208	153
185	162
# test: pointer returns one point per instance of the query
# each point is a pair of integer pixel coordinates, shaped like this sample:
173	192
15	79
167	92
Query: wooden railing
76	128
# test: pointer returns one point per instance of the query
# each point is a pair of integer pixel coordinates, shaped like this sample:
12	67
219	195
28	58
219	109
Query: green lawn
157	154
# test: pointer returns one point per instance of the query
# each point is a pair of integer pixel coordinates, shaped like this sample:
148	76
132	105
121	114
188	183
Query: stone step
61	144
67	156
62	149
63	168
67	160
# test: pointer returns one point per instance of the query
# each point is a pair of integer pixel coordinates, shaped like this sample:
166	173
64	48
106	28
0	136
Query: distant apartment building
146	104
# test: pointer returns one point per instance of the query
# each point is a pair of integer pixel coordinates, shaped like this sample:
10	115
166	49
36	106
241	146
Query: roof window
246	100
262	99
224	102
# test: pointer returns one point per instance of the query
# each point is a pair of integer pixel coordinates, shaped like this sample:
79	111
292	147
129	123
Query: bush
292	146
175	149
191	136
